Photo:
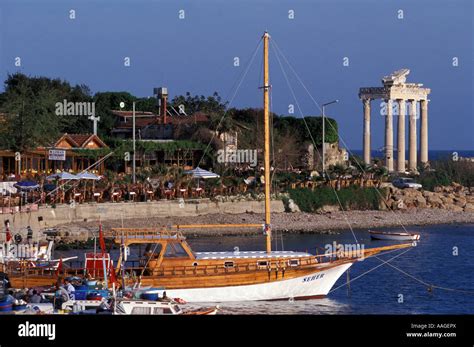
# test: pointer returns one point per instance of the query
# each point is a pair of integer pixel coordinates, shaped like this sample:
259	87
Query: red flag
60	267
113	279
101	239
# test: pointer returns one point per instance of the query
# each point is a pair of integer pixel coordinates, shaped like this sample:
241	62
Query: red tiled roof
139	123
80	140
197	117
130	113
174	120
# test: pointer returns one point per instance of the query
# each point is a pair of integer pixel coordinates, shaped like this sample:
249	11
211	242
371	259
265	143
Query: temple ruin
396	89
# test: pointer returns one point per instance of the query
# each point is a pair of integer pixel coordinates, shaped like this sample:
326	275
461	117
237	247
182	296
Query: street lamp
324	133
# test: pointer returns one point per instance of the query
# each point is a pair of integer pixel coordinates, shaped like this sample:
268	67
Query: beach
298	222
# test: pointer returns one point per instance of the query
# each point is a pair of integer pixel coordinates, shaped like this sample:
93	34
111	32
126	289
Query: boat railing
282	265
152	234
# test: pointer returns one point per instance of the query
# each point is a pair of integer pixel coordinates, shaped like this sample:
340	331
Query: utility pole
134	147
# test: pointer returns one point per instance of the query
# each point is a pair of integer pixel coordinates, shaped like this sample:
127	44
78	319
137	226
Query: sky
197	53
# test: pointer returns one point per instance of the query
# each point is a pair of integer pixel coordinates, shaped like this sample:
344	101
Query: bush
351	198
445	172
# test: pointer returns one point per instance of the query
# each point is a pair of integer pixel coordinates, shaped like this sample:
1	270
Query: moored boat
171	264
383	235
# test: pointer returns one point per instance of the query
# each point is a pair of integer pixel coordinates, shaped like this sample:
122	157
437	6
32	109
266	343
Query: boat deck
250	255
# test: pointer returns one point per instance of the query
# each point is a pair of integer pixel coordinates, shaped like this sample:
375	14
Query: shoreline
291	223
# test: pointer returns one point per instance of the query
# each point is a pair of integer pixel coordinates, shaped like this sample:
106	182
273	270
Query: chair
150	194
183	193
97	196
198	192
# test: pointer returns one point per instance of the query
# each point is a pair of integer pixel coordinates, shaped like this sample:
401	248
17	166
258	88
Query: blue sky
196	54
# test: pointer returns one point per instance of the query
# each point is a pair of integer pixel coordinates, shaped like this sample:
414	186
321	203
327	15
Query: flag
113	279
60	267
101	239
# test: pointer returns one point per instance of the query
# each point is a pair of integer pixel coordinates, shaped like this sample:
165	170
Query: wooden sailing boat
170	263
238	275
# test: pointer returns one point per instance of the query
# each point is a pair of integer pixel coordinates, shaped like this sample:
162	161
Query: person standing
71	291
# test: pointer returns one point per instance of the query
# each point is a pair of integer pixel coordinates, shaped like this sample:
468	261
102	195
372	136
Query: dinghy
382	235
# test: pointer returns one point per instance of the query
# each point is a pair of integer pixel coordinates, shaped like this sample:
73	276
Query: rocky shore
453	198
298	222
401	207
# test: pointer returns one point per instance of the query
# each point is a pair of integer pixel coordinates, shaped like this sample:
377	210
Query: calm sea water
377	292
432	154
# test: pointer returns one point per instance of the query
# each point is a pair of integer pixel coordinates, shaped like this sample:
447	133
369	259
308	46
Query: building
71	152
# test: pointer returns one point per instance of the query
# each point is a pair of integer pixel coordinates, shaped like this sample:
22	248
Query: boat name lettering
312	278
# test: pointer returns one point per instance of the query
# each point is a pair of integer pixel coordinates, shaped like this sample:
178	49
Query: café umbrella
86	175
62	176
201	173
26	185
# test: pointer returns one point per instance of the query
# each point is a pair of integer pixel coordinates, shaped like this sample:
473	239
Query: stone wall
453	198
48	217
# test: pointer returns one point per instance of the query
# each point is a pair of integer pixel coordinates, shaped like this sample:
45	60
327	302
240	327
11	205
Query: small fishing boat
135	307
383	235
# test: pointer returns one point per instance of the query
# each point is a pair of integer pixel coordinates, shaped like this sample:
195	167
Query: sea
434	277
442	258
432	154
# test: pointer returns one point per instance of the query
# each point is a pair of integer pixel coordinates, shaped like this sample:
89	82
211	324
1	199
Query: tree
192	104
29	106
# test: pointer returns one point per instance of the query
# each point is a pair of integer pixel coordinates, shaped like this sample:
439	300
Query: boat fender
18	238
180	301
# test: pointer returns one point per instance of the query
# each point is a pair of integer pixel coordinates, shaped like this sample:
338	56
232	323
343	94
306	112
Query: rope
312	139
428	285
231	100
374	268
340	137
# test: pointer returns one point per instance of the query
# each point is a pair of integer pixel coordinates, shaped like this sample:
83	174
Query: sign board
57	154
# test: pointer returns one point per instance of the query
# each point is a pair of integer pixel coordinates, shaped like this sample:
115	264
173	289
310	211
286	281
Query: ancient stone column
389	136
401	136
366	130
412	142
424	131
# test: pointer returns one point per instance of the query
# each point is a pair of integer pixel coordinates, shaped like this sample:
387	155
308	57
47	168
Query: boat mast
266	117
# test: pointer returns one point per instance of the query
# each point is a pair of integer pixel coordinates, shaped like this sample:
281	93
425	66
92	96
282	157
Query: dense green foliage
351	198
192	104
29	106
445	172
30	120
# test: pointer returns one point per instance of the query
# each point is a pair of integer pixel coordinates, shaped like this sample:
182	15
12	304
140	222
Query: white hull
316	284
395	237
